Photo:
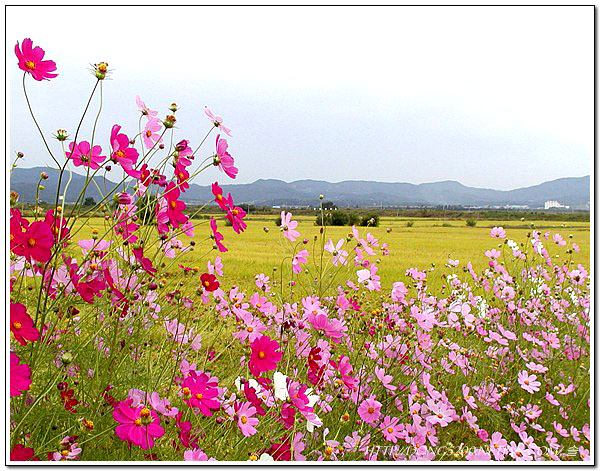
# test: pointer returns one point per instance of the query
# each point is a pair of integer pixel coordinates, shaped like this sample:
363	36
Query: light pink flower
528	382
289	227
217	121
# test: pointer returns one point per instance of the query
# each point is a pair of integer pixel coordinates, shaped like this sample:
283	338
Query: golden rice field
427	241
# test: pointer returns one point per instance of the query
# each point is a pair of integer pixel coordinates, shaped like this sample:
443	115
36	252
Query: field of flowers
141	336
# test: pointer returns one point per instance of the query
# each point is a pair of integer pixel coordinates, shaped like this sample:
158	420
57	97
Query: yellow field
427	241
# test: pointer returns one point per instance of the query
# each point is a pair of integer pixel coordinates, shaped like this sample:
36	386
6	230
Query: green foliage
371	220
146	209
410	223
471	222
337	218
89	201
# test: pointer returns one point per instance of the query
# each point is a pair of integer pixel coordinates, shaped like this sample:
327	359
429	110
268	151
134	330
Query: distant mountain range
573	192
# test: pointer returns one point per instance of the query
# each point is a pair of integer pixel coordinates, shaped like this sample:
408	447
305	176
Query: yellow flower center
31	242
235	212
370	410
390	429
328	450
244	419
64	452
148	133
440	416
30	65
199	396
173	204
120	153
17	325
253	458
219	197
145	412
186	391
138	422
261	355
250	329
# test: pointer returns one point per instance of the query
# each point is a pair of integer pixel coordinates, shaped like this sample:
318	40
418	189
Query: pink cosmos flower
265	355
288	226
30	61
217	236
391	429
162	406
84	154
123	154
520	452
138	425
245	420
369	278
478	455
370	410
21	324
498	232
20	375
386	380
223	159
528	382
498	446
332	328
147	112
196	455
339	255
150	134
441	413
217	121
299	259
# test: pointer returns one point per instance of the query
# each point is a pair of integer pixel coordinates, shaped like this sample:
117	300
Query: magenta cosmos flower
200	391
217	236
265	355
30	61
20	376
35	243
21	325
138	425
123	154
84	154
223	159
288	226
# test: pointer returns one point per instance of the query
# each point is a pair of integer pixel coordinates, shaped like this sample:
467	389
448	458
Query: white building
554	204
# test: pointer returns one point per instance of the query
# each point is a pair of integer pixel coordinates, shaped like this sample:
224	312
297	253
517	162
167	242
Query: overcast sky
495	97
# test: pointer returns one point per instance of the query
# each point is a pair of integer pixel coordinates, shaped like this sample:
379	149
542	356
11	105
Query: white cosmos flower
280	385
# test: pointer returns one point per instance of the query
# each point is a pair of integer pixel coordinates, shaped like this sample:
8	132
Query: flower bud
20	155
101	70
169	121
321	197
44	176
66	358
173	107
61	135
14	197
